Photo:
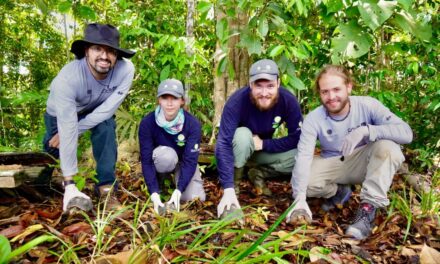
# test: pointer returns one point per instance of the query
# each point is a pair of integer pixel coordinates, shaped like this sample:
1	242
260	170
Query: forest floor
403	233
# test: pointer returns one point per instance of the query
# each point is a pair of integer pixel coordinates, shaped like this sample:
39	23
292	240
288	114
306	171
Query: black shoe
342	195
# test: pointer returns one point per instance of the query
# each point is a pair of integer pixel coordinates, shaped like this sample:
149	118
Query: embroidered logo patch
276	122
180	140
195	148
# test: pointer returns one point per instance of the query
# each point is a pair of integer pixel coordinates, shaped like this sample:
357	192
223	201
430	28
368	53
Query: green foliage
7	255
391	47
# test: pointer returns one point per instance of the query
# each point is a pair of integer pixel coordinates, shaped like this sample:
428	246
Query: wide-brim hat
100	34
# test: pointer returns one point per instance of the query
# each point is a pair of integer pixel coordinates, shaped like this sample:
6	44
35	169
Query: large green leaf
352	42
297	83
407	22
165	73
64	6
376	13
5	249
276	50
405	3
87	13
263	26
251	43
333	5
221	29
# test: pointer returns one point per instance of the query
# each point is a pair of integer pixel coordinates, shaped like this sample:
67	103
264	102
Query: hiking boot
107	196
256	176
342	195
238	175
363	222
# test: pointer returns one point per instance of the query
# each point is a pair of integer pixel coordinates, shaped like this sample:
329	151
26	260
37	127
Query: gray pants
245	154
166	161
372	165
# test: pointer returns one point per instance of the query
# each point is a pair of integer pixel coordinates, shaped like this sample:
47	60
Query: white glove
155	198
83	201
300	213
175	199
353	138
228	199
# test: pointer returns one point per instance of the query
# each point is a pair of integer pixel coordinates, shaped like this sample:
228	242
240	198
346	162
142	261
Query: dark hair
337	70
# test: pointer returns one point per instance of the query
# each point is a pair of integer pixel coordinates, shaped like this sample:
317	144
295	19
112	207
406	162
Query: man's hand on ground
300	214
175	199
155	198
74	198
228	201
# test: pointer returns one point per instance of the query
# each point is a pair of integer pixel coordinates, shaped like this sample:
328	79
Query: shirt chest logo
276	122
181	140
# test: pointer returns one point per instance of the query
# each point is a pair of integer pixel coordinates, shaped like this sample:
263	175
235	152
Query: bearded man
360	142
84	96
250	118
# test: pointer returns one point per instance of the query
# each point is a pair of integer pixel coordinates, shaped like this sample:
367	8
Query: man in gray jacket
84	96
359	139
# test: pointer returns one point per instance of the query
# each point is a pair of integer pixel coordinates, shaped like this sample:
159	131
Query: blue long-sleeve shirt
240	111
152	136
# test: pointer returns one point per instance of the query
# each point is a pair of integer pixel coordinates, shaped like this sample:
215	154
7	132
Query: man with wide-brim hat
84	96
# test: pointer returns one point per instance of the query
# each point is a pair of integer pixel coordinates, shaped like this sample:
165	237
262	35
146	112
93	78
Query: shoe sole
355	233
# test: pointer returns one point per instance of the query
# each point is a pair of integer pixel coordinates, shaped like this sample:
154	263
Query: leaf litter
195	238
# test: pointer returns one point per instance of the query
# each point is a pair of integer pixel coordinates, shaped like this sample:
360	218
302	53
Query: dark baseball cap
171	86
263	69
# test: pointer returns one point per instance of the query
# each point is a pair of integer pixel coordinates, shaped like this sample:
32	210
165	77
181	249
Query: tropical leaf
374	13
407	22
351	42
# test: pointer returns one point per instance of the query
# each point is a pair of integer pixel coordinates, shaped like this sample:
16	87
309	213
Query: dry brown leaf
293	240
12	231
429	255
52	213
76	228
126	257
408	252
332	240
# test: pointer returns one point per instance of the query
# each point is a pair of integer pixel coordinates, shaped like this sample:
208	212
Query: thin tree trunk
238	59
189	48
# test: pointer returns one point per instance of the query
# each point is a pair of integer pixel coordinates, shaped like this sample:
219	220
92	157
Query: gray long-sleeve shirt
365	111
74	91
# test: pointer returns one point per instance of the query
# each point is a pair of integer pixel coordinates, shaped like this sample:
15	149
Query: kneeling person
359	139
169	141
249	121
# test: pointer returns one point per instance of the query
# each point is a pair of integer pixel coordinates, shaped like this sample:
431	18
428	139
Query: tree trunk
238	59
189	48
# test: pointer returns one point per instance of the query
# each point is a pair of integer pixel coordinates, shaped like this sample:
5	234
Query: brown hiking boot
238	175
256	176
108	199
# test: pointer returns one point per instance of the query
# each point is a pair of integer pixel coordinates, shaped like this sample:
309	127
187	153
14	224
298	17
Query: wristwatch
68	182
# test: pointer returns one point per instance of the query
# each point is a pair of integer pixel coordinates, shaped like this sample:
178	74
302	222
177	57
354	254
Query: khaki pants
165	160
244	154
372	165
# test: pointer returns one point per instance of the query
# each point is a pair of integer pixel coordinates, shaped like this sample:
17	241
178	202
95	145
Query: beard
274	100
102	70
336	110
